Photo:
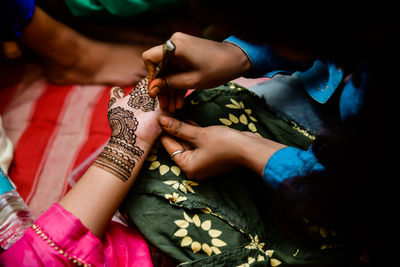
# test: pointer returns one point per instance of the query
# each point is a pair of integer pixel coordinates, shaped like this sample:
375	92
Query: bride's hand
134	129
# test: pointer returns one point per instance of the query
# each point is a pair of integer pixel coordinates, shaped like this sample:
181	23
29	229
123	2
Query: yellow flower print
275	262
175	197
206	210
244	118
255	244
235	105
183	232
297	252
324	233
163	169
185	186
248	111
250	260
176	170
235	86
252	127
233	118
225	121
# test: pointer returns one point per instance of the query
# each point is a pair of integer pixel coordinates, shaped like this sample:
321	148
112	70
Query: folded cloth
226	220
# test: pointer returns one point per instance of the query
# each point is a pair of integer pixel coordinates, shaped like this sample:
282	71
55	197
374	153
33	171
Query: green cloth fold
226	220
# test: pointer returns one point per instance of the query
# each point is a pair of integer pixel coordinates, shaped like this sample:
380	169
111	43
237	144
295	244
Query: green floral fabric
226	220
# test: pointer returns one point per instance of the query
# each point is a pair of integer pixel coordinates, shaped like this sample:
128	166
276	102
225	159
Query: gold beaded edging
72	258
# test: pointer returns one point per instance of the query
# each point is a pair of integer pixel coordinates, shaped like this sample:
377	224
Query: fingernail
155	90
165	121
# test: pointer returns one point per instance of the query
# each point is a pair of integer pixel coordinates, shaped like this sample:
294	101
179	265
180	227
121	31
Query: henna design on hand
116	92
120	154
140	98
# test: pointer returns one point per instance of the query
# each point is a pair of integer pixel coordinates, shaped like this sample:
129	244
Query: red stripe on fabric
98	134
31	147
66	140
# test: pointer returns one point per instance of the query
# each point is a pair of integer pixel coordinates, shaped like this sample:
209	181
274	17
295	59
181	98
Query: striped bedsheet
57	132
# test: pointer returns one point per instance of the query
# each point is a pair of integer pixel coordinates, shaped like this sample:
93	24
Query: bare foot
71	58
98	63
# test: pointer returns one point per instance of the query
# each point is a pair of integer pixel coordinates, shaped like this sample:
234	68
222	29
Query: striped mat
57	132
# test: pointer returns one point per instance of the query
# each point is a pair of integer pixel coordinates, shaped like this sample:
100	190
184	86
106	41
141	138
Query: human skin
216	149
71	58
209	150
100	191
203	64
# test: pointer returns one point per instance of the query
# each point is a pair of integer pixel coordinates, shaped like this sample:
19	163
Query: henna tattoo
116	92
119	156
116	163
123	124
111	102
140	98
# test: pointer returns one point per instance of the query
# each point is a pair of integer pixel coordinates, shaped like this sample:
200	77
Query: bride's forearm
98	194
134	129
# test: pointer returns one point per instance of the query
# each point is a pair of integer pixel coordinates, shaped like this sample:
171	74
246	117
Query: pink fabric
60	238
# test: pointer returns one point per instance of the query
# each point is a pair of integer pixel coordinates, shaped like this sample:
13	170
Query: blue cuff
15	15
289	162
321	80
264	60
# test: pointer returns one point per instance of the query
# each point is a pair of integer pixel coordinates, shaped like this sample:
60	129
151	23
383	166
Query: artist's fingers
177	152
180	98
117	92
191	122
178	128
154	55
177	81
176	98
151	70
155	87
171	100
185	144
163	100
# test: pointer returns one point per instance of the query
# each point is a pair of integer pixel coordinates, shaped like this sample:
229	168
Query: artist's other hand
216	149
201	63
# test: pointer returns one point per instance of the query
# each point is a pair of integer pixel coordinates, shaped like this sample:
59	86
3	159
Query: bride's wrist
119	159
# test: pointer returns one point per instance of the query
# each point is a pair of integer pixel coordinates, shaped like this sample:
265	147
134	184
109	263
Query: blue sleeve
265	61
289	162
15	15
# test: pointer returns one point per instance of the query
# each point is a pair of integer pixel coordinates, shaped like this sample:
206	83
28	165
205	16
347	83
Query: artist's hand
201	64
216	149
134	129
